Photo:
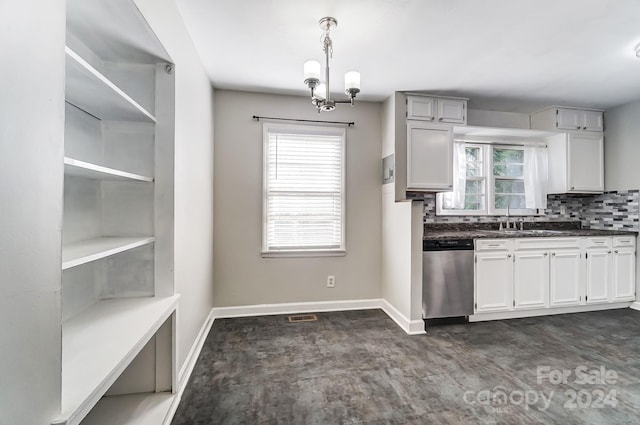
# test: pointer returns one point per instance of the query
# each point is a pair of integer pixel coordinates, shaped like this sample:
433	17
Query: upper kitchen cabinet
570	119
576	163
437	109
429	157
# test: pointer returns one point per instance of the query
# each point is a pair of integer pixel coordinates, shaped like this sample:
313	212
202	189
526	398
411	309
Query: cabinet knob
433	118
615	252
508	255
545	254
553	254
584	128
573	187
609	252
578	127
440	119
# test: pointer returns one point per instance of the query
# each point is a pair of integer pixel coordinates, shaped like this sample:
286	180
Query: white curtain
455	199
535	176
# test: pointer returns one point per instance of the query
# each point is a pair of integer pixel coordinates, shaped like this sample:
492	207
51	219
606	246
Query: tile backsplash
610	210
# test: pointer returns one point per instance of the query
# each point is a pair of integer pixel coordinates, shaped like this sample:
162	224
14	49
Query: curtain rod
484	142
347	123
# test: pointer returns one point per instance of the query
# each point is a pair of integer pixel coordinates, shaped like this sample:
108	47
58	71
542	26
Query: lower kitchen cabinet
598	275
624	274
542	274
565	277
531	280
494	281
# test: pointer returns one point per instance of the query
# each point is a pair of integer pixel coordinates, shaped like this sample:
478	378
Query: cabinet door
531	279
585	162
493	282
421	108
569	119
598	275
452	111
565	275
429	157
592	121
624	274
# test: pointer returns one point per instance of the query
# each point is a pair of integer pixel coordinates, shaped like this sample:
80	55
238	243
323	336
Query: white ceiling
509	55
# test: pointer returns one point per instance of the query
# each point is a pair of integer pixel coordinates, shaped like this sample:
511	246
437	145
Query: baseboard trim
635	306
187	368
290	308
548	312
411	327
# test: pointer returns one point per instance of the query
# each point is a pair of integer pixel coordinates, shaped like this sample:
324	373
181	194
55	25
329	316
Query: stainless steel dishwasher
447	279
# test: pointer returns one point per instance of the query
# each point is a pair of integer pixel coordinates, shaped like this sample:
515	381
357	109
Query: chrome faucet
508	226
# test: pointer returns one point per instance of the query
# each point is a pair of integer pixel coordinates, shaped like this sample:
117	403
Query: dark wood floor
359	367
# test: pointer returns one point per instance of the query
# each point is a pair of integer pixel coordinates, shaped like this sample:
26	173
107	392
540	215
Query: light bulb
352	81
312	70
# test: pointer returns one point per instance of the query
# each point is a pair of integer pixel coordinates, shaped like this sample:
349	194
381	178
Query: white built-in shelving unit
119	306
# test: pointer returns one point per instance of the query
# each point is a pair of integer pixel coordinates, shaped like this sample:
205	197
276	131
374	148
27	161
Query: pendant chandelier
321	91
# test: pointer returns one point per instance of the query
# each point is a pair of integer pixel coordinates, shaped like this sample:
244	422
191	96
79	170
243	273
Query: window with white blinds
303	189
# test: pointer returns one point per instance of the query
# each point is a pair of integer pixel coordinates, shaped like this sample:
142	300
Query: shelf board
115	30
134	409
74	167
89	90
82	252
98	345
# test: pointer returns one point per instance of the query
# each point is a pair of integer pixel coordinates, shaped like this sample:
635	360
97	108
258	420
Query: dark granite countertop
532	230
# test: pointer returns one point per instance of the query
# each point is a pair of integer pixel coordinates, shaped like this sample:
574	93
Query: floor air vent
302	318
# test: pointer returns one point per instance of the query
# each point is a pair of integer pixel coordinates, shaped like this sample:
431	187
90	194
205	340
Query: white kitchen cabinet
437	109
429	156
576	163
565	277
598	275
552	273
531	279
570	119
624	274
493	281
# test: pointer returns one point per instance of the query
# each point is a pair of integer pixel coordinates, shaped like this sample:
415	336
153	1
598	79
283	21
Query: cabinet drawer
624	241
493	244
546	243
602	242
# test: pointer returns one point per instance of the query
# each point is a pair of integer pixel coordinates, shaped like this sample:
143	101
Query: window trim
268	128
489	189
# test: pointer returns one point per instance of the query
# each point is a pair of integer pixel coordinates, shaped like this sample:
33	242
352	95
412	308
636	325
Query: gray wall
242	276
621	153
32	38
622	147
193	172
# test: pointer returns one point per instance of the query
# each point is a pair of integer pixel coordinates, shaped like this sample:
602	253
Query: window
303	203
495	181
508	178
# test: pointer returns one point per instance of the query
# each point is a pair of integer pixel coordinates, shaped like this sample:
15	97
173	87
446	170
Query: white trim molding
187	367
547	312
290	308
635	306
411	327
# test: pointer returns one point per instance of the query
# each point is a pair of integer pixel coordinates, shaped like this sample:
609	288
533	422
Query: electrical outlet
563	210
331	281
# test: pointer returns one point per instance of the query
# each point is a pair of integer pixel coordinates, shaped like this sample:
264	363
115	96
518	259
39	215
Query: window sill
304	254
